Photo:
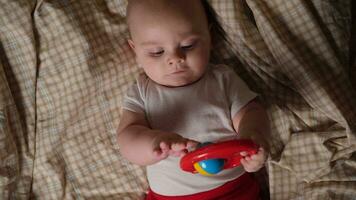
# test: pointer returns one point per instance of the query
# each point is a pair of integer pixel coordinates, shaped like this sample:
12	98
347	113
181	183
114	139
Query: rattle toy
211	158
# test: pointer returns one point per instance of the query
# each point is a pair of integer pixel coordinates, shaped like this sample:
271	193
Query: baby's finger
255	165
178	146
191	144
243	153
249	166
159	154
247	158
163	149
164	145
177	153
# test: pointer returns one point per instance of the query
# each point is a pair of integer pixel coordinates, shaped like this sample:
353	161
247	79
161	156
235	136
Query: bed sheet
65	66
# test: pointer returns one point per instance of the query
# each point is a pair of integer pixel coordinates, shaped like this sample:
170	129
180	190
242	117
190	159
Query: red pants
243	188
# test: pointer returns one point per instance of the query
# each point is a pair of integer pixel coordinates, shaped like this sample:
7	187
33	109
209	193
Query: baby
182	100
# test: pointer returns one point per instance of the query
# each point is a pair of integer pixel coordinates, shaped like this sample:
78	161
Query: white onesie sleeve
134	99
237	92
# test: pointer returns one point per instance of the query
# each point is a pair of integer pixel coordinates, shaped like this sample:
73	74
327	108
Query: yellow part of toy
201	170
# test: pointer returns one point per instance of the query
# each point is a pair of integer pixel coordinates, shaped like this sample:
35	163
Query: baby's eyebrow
148	43
157	43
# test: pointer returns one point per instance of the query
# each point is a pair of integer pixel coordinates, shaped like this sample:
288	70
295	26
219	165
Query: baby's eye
156	53
188	46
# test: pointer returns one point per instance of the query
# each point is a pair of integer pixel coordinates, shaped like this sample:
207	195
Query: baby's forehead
164	8
144	12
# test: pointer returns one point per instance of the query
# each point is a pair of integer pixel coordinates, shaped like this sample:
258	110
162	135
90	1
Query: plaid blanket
65	65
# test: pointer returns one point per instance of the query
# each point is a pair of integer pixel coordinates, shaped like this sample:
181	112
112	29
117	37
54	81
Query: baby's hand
254	162
171	144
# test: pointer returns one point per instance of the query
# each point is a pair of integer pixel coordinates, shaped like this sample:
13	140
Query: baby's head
171	39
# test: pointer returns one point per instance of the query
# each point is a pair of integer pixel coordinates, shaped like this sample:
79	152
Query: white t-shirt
202	111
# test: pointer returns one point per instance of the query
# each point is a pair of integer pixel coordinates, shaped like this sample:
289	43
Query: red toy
227	153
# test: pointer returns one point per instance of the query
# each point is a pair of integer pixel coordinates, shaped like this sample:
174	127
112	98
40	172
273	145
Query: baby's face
172	44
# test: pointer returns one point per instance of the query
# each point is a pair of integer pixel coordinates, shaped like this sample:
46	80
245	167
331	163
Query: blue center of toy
212	166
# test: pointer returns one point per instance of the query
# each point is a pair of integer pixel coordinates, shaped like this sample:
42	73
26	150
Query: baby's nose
176	57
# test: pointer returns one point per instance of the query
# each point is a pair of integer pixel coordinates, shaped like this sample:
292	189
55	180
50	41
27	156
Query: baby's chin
179	82
175	84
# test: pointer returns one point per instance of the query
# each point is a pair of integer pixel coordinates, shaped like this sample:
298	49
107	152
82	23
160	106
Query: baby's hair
218	33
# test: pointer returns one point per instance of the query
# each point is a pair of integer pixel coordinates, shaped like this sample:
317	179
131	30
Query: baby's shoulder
221	70
140	85
142	81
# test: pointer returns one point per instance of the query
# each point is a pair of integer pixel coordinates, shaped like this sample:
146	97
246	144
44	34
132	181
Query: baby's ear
131	43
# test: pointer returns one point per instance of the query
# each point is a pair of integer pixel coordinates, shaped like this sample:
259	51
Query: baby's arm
144	146
252	122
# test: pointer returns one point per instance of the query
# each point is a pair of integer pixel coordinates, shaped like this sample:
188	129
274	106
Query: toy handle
227	150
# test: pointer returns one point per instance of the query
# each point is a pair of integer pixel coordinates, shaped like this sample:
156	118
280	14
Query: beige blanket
65	64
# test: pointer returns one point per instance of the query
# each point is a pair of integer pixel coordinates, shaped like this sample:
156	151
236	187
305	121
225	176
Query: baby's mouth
178	72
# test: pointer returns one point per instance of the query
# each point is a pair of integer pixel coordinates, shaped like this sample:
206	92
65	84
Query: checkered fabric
64	66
